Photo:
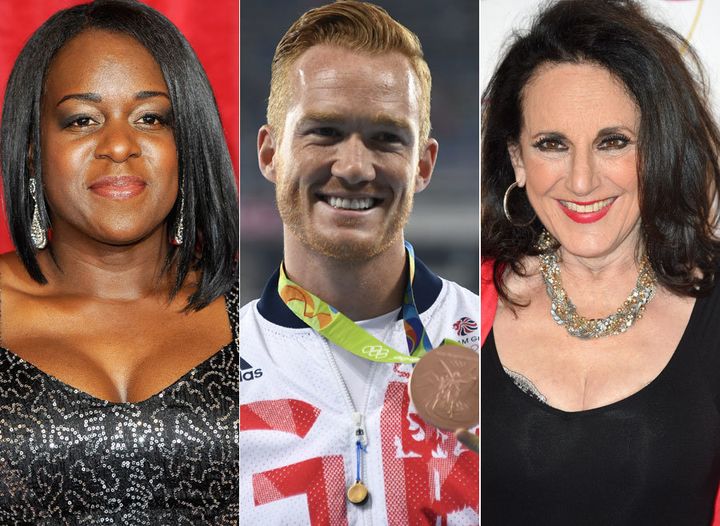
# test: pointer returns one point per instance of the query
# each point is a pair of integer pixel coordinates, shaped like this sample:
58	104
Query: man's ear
266	149
517	163
426	164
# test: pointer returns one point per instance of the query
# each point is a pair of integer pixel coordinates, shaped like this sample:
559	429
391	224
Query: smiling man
328	432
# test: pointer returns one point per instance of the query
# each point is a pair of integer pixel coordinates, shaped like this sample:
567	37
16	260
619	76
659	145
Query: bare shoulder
14	276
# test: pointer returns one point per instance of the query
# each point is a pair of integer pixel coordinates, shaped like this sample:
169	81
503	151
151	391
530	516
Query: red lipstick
118	188
581	216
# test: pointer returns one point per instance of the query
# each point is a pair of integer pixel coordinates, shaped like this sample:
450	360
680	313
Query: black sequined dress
67	457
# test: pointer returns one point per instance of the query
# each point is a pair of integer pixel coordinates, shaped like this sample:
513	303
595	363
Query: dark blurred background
444	225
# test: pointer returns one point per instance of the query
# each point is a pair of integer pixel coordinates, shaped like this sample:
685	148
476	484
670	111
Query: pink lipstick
118	188
588	211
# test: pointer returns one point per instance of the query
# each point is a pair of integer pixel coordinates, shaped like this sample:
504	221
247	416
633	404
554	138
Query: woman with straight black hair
118	311
601	373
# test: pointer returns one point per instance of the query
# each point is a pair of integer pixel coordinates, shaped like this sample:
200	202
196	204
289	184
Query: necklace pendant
357	493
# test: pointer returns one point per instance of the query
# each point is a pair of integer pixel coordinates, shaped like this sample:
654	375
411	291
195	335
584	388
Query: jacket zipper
359	433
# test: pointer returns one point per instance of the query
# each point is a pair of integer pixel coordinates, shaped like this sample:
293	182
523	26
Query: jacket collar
426	288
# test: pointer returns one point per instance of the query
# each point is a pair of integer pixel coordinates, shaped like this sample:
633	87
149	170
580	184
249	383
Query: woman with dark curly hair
118	357
601	374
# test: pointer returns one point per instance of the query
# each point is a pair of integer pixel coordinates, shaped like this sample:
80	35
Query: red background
211	28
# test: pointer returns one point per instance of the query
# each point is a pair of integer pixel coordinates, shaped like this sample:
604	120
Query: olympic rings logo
375	352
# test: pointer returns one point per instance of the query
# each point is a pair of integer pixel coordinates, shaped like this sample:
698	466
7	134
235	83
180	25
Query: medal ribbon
343	332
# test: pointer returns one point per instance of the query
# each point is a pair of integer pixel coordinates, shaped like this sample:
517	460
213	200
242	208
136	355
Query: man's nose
354	160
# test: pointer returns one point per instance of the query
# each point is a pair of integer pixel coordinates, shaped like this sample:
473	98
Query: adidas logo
247	372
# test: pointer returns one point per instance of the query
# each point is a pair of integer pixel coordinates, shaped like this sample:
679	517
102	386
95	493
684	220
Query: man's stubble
294	210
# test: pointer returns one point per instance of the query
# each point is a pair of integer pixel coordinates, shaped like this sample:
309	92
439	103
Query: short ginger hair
351	24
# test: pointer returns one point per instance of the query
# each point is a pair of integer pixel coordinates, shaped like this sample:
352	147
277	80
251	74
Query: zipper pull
358	492
360	436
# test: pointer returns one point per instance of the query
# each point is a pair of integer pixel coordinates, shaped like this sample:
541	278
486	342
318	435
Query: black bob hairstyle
678	141
204	166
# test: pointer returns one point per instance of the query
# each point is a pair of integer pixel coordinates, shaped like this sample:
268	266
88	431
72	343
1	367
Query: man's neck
359	289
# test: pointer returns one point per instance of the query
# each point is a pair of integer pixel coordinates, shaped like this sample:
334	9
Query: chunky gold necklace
564	312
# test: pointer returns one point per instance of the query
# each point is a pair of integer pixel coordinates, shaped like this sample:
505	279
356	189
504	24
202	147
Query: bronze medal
357	493
444	387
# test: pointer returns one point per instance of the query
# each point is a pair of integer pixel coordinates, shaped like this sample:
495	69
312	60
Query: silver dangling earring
507	212
179	234
37	232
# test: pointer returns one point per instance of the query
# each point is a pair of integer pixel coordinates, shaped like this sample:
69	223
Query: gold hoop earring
507	212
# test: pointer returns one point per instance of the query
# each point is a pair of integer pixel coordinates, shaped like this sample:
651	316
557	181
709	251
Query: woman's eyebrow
615	129
554	135
94	97
150	94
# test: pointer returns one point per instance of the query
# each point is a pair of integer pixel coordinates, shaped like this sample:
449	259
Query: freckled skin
351	131
357	90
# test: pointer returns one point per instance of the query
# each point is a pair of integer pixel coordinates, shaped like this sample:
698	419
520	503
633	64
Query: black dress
650	459
67	457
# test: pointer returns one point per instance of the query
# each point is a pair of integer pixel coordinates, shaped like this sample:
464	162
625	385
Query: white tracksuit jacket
297	447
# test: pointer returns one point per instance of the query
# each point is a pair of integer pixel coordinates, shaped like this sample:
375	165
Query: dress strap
232	300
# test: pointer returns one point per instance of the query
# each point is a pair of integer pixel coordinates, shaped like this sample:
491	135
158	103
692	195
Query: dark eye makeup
550	144
155	119
150	119
615	141
77	121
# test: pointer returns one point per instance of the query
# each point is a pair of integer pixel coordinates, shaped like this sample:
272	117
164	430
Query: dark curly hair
678	141
205	169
